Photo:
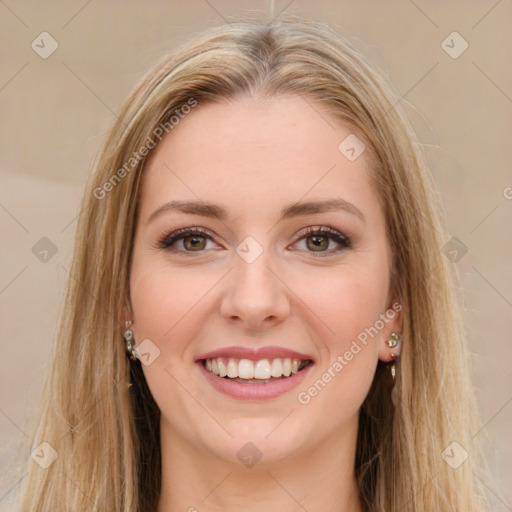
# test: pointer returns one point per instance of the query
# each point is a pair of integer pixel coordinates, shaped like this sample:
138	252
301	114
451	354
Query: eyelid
323	229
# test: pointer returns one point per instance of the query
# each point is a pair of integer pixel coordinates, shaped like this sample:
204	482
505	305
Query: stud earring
128	336
394	340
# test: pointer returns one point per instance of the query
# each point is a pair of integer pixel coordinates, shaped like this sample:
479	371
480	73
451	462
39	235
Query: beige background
54	112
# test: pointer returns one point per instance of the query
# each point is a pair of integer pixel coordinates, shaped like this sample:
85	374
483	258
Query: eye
317	239
192	240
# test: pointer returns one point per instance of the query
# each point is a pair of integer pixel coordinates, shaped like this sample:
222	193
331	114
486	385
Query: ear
394	324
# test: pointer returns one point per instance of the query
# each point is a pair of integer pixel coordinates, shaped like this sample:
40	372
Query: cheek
166	305
163	298
347	301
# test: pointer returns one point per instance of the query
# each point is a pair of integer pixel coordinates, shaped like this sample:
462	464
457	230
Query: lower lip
254	391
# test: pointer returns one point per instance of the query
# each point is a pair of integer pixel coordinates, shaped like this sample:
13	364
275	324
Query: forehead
253	155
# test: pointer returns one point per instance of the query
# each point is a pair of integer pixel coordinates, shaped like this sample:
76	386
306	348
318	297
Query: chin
258	440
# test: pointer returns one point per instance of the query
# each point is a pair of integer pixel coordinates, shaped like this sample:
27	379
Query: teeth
287	367
262	370
232	369
277	368
221	368
247	369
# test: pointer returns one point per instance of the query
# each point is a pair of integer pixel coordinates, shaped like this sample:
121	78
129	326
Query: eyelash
345	243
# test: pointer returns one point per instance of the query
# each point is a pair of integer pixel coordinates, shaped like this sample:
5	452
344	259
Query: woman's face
259	284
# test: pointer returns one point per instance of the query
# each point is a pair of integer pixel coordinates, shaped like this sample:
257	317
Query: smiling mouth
262	371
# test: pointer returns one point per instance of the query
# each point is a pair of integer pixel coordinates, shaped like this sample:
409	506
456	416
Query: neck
320	479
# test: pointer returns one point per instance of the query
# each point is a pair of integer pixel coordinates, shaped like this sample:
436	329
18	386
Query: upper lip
254	354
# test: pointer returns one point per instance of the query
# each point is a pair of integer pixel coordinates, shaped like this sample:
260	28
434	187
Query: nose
256	297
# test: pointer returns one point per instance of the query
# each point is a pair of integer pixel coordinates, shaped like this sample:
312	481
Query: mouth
247	371
262	379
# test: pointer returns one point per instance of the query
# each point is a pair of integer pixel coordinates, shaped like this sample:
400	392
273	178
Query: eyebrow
293	210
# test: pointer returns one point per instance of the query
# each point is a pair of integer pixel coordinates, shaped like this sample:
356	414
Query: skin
253	157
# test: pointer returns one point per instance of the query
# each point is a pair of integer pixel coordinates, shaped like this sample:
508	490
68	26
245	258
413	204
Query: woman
261	238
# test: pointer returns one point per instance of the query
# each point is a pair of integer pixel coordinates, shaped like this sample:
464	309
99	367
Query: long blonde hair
106	433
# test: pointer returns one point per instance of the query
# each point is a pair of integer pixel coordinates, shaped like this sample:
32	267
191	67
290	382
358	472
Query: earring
128	336
395	341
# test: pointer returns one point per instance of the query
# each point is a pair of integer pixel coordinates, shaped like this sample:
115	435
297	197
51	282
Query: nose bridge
255	277
255	294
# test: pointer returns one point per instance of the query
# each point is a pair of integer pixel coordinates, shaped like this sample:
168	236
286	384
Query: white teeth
277	368
247	369
222	368
287	367
232	369
262	370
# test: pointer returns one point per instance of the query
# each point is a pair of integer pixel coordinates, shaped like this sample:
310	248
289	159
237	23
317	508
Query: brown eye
318	242
186	241
194	242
